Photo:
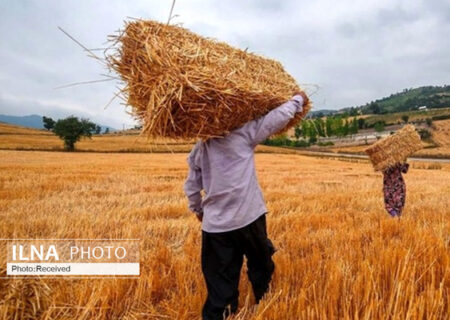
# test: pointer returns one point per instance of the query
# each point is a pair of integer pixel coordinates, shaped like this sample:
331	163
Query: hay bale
395	148
181	85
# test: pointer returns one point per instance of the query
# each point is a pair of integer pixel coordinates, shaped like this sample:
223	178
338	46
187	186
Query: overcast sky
353	51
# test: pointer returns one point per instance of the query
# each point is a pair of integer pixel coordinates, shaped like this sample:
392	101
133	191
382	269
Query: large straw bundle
181	85
395	148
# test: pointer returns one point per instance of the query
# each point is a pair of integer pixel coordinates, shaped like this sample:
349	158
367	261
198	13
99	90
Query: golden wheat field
340	255
14	137
20	138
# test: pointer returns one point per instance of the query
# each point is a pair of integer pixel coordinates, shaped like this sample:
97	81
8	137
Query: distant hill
321	113
410	99
33	121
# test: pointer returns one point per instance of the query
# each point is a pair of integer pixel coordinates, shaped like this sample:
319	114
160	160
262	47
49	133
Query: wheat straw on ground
339	257
182	85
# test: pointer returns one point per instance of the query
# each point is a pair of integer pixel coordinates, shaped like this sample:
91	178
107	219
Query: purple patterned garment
394	188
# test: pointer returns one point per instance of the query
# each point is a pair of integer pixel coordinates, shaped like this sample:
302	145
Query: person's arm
192	187
260	129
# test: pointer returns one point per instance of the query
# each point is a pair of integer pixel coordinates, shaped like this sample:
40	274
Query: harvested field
340	255
441	133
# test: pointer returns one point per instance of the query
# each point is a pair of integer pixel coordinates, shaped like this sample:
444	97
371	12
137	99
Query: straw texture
395	148
181	85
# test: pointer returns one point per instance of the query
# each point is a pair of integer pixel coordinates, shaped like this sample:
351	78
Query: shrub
277	141
441	117
300	144
284	141
379	126
405	118
324	144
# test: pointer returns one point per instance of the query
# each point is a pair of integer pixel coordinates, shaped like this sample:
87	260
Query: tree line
338	126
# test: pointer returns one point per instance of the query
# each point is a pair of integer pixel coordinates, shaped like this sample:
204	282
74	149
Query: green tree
49	123
405	118
71	130
319	125
309	129
345	128
375	108
429	121
338	125
313	130
297	132
319	114
98	129
329	126
361	123
106	131
379	126
354	126
353	111
305	128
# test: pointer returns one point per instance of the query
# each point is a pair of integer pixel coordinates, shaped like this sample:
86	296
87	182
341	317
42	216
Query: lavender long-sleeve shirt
225	169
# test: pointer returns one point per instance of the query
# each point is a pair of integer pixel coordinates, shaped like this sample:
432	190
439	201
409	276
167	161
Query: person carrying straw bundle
183	86
389	156
233	211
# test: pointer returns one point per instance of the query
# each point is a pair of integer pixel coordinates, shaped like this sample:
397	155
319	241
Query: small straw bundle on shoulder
181	85
395	148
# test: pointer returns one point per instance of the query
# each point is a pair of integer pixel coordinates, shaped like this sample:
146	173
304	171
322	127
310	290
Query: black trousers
222	258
